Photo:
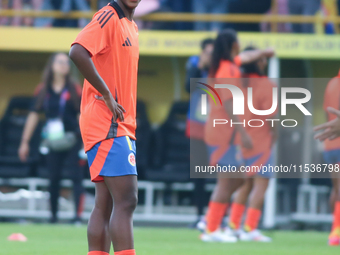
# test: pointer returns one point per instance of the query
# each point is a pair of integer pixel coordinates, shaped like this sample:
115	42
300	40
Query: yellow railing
188	17
52	14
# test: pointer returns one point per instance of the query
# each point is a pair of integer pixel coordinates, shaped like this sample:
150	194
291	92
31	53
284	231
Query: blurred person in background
198	67
248	7
58	98
64	6
329	8
221	139
19	5
281	9
211	7
261	154
332	153
303	7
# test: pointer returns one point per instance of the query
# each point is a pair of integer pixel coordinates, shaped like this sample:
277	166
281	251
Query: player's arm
30	125
247	57
331	129
245	138
82	59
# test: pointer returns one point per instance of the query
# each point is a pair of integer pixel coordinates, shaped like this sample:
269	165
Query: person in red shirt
259	155
106	52
221	140
332	153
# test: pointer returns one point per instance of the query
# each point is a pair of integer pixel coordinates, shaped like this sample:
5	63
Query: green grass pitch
69	240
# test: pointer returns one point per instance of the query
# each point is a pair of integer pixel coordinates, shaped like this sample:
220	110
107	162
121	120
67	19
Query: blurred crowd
284	7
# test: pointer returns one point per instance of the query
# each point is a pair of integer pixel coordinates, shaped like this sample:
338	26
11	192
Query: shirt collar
119	10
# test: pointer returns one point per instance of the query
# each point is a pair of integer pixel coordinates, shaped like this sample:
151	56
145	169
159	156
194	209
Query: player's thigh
103	199
243	192
247	185
261	184
122	188
229	184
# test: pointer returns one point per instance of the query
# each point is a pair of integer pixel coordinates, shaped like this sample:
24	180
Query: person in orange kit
106	52
226	61
259	155
332	156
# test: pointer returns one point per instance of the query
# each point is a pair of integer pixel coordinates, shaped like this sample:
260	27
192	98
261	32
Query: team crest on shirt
132	159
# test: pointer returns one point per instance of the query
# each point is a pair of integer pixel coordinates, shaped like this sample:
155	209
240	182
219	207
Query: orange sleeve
331	97
238	61
98	34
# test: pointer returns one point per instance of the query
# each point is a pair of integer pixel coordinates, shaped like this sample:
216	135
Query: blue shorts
112	157
332	156
261	160
231	157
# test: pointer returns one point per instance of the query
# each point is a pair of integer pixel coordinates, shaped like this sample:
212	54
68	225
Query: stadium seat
171	148
11	127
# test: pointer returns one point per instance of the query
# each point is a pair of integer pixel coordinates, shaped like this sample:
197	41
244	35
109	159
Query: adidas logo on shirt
127	42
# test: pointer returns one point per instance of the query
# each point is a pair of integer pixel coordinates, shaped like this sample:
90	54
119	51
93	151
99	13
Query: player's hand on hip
116	109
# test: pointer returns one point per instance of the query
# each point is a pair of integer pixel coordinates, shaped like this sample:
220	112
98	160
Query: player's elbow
72	53
78	54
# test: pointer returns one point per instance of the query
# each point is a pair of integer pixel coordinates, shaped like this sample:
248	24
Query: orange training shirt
262	100
332	99
222	135
112	41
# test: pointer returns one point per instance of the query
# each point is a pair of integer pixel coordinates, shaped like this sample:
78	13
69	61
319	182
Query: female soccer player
221	139
106	52
332	152
58	98
259	155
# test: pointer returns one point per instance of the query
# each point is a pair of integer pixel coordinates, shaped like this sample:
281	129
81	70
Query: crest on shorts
132	159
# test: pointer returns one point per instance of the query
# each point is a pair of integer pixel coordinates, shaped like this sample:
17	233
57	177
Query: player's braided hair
222	49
